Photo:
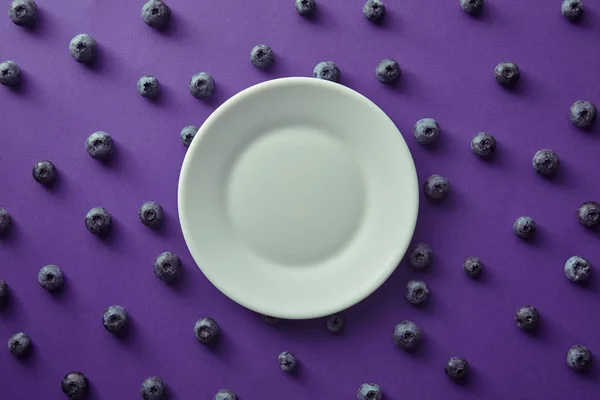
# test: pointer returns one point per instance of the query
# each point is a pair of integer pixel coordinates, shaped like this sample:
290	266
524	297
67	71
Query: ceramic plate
298	197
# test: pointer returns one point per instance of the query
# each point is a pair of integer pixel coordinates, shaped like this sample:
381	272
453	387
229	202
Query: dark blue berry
4	294
148	86
374	10
206	331
369	391
588	214
287	362
483	144
527	318
167	267
457	368
44	172
10	74
436	187
51	278
507	73
98	221
472	7
202	85
75	385
388	71
473	267
417	291
426	131
578	269
225	394
19	344
407	335
583	113
262	56
524	227
23	12
335	323
150	214
156	14
5	222
83	48
327	70
572	9
306	8
579	358
115	319
187	134
545	162
420	255
153	388
99	145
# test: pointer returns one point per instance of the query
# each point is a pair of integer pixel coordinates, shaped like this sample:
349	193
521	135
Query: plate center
296	195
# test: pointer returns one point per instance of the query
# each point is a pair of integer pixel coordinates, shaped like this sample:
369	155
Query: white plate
298	197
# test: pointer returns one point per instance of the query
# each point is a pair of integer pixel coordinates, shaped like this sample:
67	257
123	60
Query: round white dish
298	198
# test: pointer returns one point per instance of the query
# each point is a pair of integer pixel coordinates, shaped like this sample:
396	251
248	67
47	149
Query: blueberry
5	222
472	7
287	362
473	267
524	227
270	320
407	335
156	14
374	10
572	9
23	12
99	145
426	131
225	394
507	73
545	162
187	135
578	269
148	86
306	8
369	391
83	48
388	71
579	358
19	344
153	388
527	318
202	85
150	214
417	292
75	385
420	255
44	172
335	323
583	113
456	368
98	221
327	70
588	214
115	319
262	56
436	187
167	267
206	331
4	294
483	144
10	73
51	278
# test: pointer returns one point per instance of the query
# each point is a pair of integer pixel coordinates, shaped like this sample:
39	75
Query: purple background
447	59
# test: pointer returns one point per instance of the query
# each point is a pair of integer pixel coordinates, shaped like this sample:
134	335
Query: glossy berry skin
115	319
545	162
524	227
44	172
225	394
156	14
262	56
588	214
388	71
187	134
527	318
572	9
578	269
327	70
483	145
456	368
374	10
417	292
472	7
83	48
420	255
75	385
287	362
206	331
99	146
369	391
201	85
4	294
19	344
507	73
583	113
306	8
167	267
51	278
407	335
150	214
5	222
98	221
335	323
579	358
427	131
153	388
23	12
472	267
148	86
436	187
10	74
